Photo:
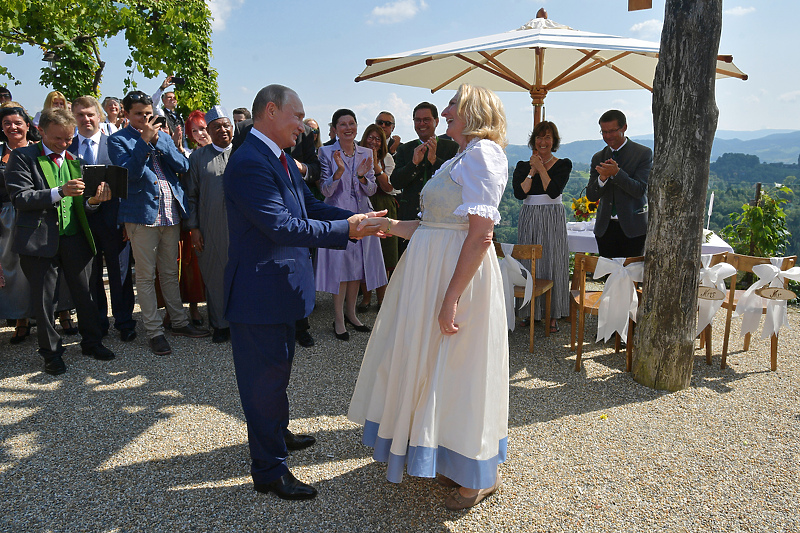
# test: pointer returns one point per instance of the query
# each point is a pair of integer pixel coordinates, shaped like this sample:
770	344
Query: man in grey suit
618	180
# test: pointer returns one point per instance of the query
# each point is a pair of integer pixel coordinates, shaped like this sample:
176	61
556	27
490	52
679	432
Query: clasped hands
366	224
607	169
76	188
419	151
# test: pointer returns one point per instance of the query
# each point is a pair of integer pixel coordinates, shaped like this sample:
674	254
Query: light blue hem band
420	461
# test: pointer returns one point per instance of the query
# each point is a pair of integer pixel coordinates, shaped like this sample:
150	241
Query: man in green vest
52	233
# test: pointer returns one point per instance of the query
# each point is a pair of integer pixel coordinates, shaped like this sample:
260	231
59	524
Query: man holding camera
52	233
152	214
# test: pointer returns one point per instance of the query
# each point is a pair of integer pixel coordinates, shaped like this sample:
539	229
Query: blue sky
318	48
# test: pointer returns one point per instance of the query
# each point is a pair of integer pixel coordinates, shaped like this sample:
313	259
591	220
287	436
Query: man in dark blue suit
273	220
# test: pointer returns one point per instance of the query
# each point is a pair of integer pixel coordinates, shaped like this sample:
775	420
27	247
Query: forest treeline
732	179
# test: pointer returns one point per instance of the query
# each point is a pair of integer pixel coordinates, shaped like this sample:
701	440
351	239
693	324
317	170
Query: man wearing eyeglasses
385	121
417	160
618	180
5	95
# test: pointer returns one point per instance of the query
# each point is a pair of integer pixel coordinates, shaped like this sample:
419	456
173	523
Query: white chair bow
619	299
711	277
751	305
512	272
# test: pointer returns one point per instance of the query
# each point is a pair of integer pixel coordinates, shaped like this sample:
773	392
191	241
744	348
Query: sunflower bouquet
583	208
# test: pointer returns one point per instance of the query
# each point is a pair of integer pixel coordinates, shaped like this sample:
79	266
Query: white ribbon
711	277
751	305
512	272
619	299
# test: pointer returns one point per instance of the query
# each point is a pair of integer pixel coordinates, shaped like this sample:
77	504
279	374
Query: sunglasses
384	123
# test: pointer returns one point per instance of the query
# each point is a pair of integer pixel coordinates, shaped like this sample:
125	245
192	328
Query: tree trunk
685	120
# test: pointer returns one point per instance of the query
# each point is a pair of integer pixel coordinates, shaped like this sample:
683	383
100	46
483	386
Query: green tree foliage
760	229
171	36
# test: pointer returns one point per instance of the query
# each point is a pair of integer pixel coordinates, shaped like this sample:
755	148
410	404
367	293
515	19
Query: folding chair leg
629	347
530	341
617	343
573	309
747	342
724	362
547	313
706	335
579	348
702	340
773	352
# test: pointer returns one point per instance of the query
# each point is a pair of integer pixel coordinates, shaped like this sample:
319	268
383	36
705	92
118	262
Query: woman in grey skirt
539	183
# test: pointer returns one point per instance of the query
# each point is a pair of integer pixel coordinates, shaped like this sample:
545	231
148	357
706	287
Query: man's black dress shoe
221	335
362	327
127	335
99	352
304	338
341	336
287	487
297	442
55	366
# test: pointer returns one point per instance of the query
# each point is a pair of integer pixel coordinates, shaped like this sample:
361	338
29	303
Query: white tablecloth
584	241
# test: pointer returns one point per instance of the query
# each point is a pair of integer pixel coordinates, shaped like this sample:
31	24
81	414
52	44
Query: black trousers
614	243
110	245
74	259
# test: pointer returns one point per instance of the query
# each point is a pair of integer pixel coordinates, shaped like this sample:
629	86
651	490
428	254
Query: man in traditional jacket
207	218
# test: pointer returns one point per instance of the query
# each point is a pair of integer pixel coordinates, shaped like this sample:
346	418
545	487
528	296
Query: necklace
346	154
551	158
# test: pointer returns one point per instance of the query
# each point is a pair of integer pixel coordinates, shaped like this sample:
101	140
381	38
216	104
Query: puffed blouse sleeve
482	173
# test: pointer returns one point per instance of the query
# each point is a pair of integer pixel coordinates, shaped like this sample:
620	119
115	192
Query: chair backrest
718	258
521	251
587	264
530	252
745	263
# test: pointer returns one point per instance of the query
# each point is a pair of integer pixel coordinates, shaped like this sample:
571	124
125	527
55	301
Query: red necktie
285	164
55	157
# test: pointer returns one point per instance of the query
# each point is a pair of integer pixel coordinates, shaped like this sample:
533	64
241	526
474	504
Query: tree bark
685	120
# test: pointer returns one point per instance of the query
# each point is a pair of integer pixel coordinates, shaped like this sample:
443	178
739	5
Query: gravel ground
147	443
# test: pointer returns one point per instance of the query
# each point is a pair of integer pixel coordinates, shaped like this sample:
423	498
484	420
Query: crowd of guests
440	340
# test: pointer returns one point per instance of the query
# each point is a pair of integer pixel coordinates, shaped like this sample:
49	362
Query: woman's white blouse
482	173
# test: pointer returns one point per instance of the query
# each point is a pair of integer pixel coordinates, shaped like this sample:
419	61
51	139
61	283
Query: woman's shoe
18	338
341	336
455	501
363	307
554	327
362	327
525	322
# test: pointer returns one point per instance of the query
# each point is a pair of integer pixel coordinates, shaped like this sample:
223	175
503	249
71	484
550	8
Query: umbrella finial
541	14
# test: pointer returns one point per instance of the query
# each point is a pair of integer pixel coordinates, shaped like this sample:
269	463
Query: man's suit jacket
627	190
127	149
36	230
106	211
272	221
304	150
412	178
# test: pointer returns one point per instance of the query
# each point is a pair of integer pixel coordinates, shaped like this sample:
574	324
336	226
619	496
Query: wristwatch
61	191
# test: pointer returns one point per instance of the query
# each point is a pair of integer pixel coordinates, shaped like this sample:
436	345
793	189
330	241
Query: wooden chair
531	252
705	335
745	263
583	303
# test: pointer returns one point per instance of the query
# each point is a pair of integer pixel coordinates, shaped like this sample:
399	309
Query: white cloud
221	10
739	11
397	11
245	90
792	96
648	28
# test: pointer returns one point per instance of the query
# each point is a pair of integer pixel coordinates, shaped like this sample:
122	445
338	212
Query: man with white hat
207	218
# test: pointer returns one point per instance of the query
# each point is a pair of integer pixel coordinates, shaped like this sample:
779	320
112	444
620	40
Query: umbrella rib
454	78
394	69
497	73
555	81
591	68
492	59
732	74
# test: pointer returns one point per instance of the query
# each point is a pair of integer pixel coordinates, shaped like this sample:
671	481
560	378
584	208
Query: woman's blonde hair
52	95
483	114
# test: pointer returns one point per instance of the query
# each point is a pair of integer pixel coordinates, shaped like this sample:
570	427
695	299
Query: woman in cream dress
432	392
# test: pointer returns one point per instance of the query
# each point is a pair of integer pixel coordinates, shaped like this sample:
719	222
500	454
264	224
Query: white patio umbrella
539	57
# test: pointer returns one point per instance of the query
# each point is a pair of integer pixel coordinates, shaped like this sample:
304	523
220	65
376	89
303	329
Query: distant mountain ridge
769	146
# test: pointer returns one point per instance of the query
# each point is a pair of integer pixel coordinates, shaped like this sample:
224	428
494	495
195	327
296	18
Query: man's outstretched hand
355	232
